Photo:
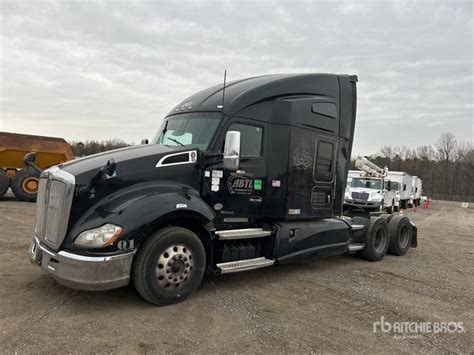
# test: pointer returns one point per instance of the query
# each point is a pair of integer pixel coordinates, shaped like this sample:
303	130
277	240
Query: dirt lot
321	304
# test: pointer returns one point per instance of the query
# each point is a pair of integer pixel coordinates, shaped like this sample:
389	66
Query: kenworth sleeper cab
238	177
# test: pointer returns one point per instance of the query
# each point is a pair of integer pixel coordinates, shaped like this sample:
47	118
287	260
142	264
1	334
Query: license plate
35	253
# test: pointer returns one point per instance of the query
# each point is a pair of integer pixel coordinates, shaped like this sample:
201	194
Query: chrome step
357	227
244	265
242	233
355	247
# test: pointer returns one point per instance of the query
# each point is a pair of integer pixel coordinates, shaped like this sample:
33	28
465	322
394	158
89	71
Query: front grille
41	206
363	196
53	205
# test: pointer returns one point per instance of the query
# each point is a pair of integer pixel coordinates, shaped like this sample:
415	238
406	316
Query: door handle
255	199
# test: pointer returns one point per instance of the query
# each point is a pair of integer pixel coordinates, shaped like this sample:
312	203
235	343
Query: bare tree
387	152
404	152
463	149
425	152
446	147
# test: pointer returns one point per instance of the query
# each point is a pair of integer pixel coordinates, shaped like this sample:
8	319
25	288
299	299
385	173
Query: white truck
370	190
416	190
353	174
403	189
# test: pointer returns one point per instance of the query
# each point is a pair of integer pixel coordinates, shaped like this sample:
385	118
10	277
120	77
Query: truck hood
129	160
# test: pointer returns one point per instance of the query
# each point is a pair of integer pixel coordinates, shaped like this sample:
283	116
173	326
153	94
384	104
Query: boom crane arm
370	168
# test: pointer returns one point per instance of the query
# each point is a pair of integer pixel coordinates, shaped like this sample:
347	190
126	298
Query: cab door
238	196
311	178
324	170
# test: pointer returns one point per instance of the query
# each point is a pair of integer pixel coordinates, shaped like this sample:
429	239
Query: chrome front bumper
83	272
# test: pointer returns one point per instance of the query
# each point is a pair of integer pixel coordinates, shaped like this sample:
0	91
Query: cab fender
140	210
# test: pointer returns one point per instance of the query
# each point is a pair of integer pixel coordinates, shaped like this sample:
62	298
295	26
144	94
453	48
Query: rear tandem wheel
376	240
400	232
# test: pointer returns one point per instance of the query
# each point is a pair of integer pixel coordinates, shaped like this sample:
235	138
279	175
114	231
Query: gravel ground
316	305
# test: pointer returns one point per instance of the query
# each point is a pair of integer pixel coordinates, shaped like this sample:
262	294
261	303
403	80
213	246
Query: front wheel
382	206
169	266
25	185
391	208
4	183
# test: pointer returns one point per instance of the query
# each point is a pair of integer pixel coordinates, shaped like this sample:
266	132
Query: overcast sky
112	69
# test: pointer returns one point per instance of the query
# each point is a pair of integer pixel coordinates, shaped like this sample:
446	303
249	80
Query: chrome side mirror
232	150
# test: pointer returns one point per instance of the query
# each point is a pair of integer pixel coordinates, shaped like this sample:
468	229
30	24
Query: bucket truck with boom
370	191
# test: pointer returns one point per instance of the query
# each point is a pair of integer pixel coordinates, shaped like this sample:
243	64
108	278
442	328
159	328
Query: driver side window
251	139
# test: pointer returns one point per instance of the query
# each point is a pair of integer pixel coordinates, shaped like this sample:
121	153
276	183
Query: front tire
25	185
382	206
4	183
169	266
391	208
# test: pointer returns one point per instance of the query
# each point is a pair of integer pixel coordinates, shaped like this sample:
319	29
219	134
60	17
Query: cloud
97	70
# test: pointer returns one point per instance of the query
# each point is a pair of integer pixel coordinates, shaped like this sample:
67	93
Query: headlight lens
98	237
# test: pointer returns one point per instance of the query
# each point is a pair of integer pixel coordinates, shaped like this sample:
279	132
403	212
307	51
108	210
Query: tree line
88	147
447	167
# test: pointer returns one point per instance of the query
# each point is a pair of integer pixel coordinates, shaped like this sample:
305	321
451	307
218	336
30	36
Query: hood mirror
232	150
145	141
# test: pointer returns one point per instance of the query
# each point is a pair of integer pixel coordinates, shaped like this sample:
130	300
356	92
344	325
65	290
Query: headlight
98	237
377	198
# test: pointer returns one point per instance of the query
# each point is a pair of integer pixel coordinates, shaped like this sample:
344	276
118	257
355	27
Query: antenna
221	106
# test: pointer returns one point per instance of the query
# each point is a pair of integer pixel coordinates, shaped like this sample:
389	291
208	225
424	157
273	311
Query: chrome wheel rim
174	267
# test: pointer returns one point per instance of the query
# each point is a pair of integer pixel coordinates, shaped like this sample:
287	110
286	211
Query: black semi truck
238	177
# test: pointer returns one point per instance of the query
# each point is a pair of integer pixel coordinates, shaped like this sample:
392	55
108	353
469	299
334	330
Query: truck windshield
188	129
375	184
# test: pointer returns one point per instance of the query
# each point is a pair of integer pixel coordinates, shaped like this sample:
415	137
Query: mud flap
414	232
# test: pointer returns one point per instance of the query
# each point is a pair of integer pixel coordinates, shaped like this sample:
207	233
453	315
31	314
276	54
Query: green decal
257	184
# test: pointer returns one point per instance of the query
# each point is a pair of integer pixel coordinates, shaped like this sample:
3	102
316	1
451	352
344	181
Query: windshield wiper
175	140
